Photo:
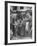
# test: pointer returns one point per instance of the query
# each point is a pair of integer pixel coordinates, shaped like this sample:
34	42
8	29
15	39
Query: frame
8	7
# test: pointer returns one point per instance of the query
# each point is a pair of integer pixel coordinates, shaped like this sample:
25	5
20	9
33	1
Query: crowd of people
21	24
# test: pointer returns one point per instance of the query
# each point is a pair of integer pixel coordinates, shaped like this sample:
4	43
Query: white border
33	15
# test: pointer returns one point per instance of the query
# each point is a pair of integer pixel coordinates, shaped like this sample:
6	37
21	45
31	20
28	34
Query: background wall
2	22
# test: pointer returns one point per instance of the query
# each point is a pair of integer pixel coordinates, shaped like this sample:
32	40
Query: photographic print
20	22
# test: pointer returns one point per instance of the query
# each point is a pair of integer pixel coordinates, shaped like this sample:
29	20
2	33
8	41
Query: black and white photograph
21	22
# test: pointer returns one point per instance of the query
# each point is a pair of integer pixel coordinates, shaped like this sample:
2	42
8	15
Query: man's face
28	15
